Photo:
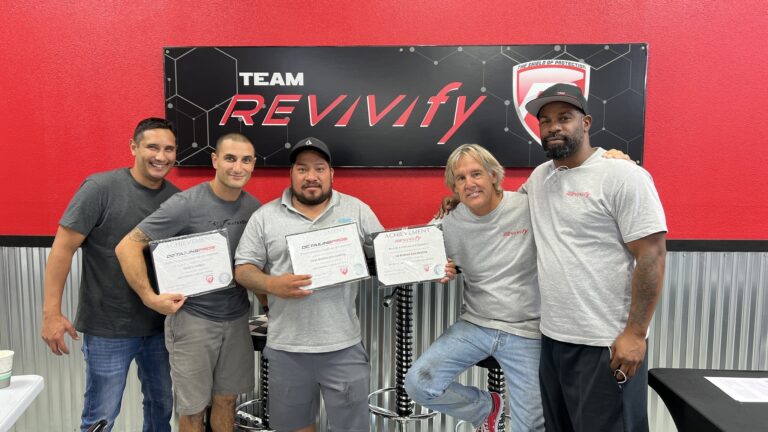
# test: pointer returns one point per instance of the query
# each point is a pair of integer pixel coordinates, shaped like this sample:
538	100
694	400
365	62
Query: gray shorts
296	381
207	357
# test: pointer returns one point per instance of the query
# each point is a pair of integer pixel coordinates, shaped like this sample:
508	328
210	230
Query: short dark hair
234	136
151	123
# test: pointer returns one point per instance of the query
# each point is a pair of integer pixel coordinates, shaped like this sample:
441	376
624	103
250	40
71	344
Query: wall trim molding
672	245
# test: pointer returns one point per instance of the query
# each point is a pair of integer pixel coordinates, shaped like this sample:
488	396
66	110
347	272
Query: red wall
75	79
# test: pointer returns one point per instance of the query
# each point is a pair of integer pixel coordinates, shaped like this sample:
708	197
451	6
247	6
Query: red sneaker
491	423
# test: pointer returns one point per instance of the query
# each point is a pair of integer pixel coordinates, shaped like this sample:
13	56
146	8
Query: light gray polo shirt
583	218
326	320
497	256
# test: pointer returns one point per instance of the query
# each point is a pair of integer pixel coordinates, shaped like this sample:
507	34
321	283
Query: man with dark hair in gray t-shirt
600	234
117	328
207	336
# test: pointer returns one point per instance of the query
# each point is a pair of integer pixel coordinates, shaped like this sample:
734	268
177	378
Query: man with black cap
600	234
314	338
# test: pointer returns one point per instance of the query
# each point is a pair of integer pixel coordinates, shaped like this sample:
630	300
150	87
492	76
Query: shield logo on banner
531	78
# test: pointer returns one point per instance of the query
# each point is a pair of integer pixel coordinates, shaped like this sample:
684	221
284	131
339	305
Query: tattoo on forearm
138	235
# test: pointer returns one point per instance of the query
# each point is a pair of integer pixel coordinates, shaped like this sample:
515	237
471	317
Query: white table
15	399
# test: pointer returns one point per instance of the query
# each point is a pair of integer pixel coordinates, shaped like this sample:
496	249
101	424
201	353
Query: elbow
120	250
240	271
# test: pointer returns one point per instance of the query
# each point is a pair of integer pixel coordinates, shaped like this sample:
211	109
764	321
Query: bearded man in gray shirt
207	336
314	343
600	234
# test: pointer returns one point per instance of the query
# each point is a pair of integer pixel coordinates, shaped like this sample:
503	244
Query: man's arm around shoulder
130	253
650	256
55	324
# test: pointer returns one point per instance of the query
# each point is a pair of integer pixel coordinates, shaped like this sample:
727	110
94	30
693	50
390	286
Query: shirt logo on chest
577	194
523	231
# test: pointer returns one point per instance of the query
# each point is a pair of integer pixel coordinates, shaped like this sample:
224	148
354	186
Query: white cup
6	365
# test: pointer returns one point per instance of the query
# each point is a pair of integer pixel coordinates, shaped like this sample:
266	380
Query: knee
224	401
419	384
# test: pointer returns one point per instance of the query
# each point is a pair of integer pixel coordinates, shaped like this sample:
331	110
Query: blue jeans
430	382
106	368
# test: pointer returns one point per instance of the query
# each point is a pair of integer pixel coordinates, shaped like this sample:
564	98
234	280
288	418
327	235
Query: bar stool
405	411
496	383
253	414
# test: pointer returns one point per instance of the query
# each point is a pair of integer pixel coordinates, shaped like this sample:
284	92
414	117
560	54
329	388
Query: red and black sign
397	106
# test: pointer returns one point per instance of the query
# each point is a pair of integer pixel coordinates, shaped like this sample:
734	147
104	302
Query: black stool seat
488	363
258	327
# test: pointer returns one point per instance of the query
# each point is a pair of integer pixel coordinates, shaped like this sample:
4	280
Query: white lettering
272	79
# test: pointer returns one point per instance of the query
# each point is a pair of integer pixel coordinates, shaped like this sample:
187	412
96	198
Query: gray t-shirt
497	256
583	217
105	208
199	210
327	320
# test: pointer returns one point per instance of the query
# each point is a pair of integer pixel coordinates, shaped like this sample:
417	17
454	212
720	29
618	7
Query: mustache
556	137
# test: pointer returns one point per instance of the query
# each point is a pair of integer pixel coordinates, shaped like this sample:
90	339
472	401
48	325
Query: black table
698	405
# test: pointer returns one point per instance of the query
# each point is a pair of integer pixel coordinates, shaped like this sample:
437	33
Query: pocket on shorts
293	395
357	391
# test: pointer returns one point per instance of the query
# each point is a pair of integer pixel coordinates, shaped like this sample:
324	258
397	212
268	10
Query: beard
311	201
569	146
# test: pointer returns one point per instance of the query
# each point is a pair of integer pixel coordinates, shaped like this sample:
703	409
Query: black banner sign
397	106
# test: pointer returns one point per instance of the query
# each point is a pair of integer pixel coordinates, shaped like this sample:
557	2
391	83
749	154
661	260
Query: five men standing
599	231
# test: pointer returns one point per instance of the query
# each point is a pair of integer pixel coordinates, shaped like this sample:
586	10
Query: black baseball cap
561	92
310	143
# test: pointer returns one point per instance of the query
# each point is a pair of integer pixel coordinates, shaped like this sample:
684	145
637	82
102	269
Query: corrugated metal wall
713	314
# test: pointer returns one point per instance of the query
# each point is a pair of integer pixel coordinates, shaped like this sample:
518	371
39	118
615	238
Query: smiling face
311	178
474	186
233	161
154	156
562	128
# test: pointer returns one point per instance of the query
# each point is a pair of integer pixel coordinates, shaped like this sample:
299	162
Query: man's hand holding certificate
411	255
331	256
194	264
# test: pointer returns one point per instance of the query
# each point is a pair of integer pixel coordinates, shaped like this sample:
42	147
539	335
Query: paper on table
743	389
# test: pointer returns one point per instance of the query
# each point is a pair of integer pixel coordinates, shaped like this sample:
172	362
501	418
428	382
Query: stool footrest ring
383	412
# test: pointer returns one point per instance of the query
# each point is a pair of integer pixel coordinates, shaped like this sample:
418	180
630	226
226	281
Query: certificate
410	255
193	264
331	255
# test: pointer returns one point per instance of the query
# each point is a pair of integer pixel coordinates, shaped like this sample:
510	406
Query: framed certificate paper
331	255
193	264
410	255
